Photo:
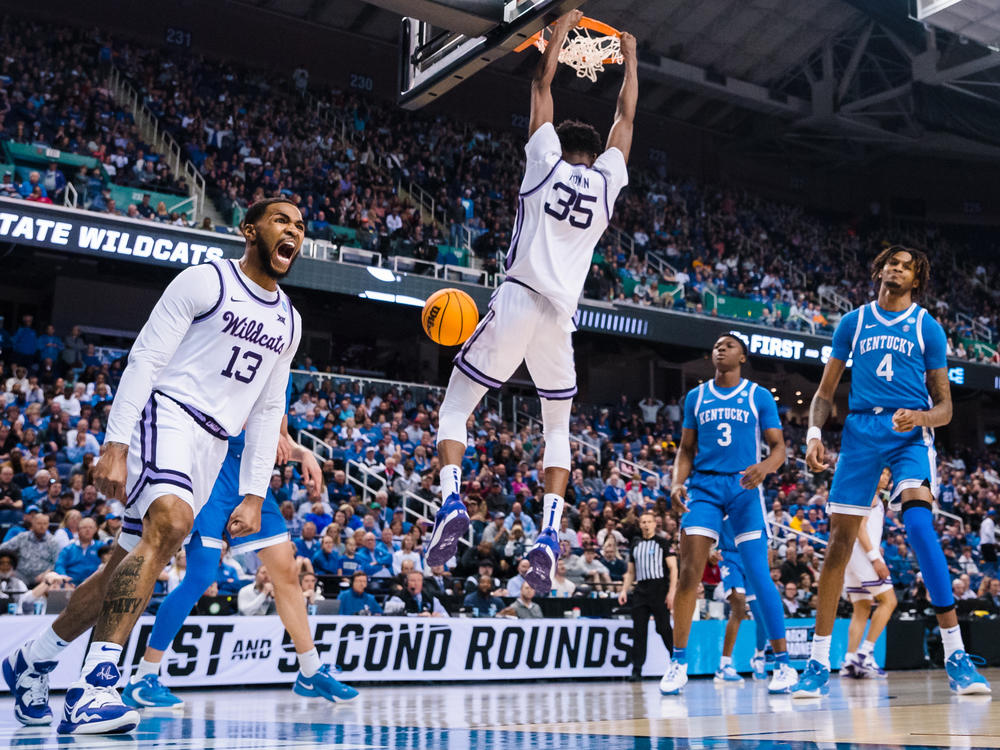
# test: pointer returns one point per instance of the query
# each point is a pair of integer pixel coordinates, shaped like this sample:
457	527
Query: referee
653	568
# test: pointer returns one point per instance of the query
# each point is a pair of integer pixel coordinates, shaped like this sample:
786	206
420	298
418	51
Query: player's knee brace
753	553
460	400
202	565
923	538
555	424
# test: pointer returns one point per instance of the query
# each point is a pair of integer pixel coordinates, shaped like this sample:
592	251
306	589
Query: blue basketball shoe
324	685
542	556
149	692
814	682
450	523
963	677
29	684
93	706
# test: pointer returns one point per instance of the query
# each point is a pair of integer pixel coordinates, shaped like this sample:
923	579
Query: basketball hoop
588	47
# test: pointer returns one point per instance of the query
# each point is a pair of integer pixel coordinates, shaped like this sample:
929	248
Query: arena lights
399	299
611	322
382	274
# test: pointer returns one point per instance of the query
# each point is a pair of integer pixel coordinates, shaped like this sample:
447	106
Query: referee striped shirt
649	556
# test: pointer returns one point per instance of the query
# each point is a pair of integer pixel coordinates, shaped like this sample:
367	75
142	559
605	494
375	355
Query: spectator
325	559
561	585
355	600
257	598
790	600
482	602
414	600
524	608
36	550
78	560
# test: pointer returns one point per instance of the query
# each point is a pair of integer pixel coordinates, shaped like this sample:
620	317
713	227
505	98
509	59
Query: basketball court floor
913	709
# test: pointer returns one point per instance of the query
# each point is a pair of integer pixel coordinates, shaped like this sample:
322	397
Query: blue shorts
211	522
868	445
733	578
712	497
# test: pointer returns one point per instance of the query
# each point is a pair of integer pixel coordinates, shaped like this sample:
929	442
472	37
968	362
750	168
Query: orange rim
585	23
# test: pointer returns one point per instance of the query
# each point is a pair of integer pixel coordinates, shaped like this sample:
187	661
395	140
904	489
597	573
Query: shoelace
103	695
38	689
976	659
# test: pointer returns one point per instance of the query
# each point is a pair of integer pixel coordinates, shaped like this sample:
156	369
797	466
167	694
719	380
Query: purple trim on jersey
267	302
471	372
607	207
218	302
540	184
203	420
565	393
291	319
151	473
856	590
512	253
512	280
479	329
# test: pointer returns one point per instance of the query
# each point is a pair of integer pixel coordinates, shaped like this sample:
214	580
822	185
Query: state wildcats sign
40	225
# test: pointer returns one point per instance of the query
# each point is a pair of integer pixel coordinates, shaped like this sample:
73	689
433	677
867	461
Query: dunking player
213	356
739	593
276	552
564	206
899	355
866	579
719	458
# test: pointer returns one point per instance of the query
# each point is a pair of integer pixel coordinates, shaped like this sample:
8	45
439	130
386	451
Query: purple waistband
207	423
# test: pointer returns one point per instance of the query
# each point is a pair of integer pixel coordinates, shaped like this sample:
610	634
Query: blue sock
202	564
680	655
753	553
926	544
758	621
781	657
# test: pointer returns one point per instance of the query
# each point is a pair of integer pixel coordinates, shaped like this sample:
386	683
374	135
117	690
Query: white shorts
521	326
175	450
860	579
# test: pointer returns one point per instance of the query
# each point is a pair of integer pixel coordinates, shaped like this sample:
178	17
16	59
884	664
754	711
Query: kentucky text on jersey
251	330
726	413
890	343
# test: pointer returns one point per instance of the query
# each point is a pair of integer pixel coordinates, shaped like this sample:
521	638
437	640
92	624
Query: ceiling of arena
824	80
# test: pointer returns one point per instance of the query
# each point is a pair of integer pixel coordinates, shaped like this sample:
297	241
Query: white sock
821	649
951	639
553	511
145	668
451	480
849	656
100	652
867	647
309	662
46	647
758	653
725	661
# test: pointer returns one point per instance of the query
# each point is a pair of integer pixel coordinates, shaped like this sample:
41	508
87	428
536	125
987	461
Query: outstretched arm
541	84
620	136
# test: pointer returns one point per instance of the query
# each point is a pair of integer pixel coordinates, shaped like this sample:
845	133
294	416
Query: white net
586	51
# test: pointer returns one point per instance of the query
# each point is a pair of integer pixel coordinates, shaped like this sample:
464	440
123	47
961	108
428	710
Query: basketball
449	317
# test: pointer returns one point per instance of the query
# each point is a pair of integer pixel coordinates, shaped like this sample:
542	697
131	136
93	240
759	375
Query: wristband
874	554
813	433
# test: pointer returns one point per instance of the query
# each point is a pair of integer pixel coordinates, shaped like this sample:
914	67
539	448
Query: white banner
211	651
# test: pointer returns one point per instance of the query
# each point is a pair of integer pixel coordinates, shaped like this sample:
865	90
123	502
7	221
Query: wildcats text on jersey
248	329
887	342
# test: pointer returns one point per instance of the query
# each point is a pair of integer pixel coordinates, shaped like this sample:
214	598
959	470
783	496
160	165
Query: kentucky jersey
730	422
562	211
892	353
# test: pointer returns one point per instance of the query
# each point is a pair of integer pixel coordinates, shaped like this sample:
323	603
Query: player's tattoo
819	411
121	600
939	390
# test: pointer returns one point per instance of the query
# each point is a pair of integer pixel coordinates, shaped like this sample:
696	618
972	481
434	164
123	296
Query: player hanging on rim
720	460
213	357
564	206
899	394
866	579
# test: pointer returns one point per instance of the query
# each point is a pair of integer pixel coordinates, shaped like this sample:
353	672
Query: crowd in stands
359	537
255	134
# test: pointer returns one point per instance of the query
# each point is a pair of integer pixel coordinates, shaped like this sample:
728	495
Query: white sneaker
783	679
675	679
727	675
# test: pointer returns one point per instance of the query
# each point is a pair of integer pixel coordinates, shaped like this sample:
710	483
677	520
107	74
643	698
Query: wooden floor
910	708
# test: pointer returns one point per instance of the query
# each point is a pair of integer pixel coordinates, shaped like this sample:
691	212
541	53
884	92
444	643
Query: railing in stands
369	482
71	197
162	142
630	468
419	390
834	300
661	265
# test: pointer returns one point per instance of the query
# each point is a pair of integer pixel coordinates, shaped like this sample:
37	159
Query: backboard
436	55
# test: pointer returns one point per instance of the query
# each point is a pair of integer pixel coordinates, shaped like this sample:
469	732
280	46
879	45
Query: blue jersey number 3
571	205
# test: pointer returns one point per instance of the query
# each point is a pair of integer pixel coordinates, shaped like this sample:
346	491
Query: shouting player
867	578
899	394
564	206
720	459
213	356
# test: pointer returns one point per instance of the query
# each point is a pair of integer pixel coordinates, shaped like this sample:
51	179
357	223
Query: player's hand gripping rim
245	518
678	499
111	471
816	455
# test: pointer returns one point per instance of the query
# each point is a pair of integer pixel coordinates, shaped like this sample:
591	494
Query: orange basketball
449	317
